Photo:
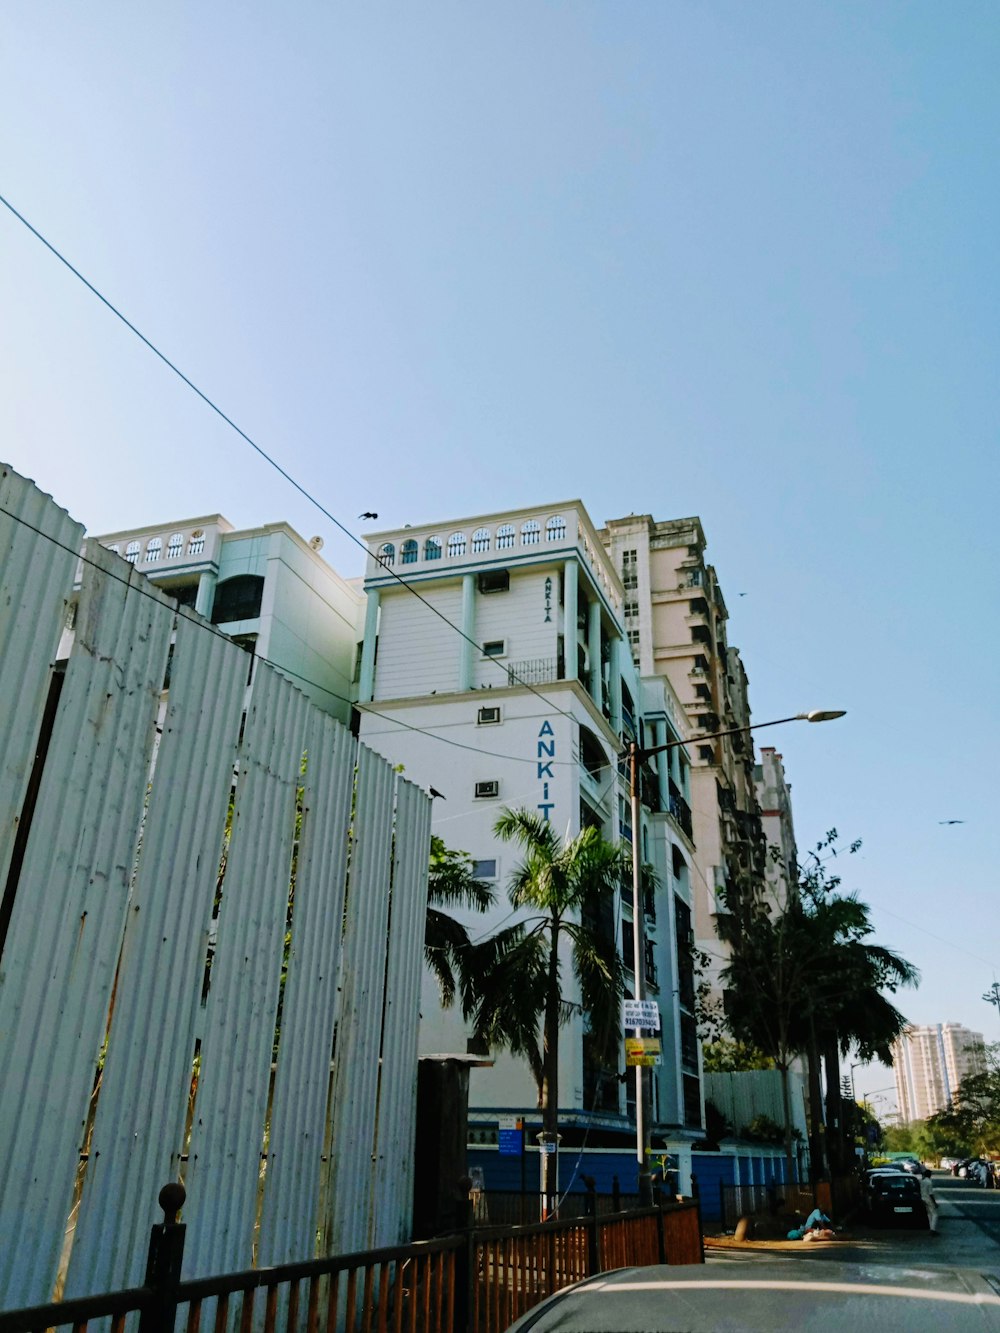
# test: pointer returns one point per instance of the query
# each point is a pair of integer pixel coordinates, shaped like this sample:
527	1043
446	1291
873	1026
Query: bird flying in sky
368	514
951	821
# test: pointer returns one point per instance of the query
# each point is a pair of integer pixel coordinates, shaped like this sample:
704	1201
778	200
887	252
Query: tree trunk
836	1142
786	1102
817	1157
550	1090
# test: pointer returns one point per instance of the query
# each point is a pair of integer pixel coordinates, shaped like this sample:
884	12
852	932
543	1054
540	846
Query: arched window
132	552
481	540
154	548
408	552
197	543
238	598
115	547
432	548
505	536
456	545
386	553
175	545
555	528
530	532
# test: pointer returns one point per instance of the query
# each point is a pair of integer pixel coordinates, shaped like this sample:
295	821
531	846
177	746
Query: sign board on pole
642	1051
510	1143
546	1147
641	1014
510	1135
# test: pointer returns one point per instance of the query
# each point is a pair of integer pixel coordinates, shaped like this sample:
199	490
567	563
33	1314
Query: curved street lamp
637	755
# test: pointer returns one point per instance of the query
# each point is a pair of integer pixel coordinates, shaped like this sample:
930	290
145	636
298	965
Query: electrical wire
156	594
260	451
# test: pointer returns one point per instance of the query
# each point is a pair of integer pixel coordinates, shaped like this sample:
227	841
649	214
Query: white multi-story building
929	1064
774	795
267	588
499	674
676	623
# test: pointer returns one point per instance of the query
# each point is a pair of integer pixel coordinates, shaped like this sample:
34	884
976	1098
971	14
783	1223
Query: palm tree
848	1005
516	996
451	883
806	976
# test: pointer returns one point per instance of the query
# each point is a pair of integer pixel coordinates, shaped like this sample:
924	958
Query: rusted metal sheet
397	1106
359	1025
139	1125
62	946
38	556
302	1081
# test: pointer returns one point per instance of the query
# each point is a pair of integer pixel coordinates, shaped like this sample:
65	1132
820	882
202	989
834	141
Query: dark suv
894	1197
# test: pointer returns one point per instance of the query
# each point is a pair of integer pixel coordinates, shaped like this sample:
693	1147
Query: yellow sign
642	1051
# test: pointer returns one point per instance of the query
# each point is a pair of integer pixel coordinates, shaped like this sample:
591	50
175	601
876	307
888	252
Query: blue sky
726	259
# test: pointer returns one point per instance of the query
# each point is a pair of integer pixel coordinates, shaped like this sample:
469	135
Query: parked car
949	1163
891	1195
977	1172
966	1169
913	1166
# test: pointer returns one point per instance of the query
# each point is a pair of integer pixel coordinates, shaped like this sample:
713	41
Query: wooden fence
476	1281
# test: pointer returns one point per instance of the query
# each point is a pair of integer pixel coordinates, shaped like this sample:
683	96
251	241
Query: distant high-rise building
930	1063
774	794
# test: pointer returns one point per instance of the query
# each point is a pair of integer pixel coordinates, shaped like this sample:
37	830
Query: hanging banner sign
641	1014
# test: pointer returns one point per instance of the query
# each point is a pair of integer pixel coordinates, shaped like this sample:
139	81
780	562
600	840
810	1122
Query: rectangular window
486	790
494	648
631	610
486	869
494	580
488	717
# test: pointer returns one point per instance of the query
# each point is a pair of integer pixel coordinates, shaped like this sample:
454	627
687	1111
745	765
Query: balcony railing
533	671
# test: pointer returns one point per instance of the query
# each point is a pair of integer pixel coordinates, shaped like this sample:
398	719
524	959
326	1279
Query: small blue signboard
511	1142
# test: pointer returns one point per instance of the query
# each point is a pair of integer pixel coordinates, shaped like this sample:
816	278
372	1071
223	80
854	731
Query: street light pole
636	756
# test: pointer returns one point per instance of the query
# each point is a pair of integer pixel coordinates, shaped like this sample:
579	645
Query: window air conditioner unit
487	789
488	717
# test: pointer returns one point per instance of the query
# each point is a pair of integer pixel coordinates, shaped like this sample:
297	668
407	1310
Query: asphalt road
969	1226
872	1280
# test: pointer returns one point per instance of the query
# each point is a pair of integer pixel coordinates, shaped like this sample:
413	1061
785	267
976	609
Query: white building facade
267	588
499	674
929	1064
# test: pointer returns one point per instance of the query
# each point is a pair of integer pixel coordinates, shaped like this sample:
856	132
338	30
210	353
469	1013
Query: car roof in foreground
760	1294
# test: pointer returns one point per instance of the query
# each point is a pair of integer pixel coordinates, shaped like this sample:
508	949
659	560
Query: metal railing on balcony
533	671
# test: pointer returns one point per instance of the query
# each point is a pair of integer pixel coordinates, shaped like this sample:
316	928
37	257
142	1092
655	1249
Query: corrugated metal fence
211	934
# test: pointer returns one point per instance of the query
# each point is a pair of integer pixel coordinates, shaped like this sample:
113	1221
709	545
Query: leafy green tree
447	947
974	1118
516	994
728	1056
808	976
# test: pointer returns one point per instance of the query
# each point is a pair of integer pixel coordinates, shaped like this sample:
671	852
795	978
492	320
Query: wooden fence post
593	1235
163	1264
465	1259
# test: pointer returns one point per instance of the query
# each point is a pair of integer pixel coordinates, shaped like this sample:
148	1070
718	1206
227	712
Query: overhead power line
155	593
260	451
